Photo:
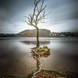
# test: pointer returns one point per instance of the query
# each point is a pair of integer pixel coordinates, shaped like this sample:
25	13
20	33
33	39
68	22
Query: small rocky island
41	51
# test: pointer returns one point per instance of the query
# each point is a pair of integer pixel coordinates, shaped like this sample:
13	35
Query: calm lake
16	56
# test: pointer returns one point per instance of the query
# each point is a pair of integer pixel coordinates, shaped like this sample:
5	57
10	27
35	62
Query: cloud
60	12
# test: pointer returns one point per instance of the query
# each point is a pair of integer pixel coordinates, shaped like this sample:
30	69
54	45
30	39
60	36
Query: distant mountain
42	33
32	33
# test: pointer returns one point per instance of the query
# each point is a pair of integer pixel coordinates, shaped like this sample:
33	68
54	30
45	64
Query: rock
49	74
41	51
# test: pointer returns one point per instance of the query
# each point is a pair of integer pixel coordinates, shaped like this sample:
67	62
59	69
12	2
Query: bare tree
37	16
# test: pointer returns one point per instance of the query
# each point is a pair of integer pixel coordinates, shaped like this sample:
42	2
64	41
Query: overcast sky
62	15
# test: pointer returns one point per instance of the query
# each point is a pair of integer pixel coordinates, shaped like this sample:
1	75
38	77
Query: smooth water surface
16	56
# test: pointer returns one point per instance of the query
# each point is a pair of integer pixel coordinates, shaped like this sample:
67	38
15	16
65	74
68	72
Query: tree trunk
38	43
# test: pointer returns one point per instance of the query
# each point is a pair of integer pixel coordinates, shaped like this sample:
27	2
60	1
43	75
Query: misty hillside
32	33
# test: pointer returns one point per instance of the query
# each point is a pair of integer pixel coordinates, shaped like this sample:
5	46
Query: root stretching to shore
37	53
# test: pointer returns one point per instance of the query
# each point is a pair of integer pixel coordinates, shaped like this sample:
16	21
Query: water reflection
15	56
34	42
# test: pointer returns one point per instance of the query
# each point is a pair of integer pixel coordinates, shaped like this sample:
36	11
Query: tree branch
38	13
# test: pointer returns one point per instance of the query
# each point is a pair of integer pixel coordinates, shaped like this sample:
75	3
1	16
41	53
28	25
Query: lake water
16	56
